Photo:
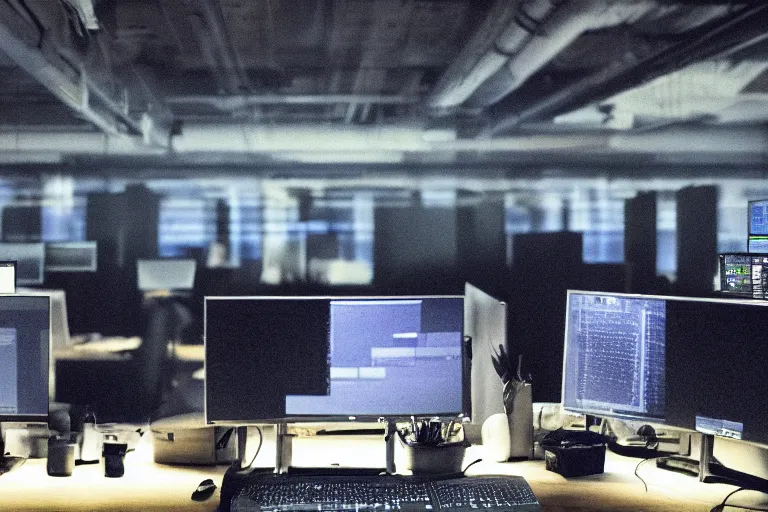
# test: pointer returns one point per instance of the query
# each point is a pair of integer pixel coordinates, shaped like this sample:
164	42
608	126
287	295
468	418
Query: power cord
638	476
723	504
258	448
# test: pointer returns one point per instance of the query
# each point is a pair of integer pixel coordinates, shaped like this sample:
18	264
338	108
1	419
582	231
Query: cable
638	476
258	449
722	505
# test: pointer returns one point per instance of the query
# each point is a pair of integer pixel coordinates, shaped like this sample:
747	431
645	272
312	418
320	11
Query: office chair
166	321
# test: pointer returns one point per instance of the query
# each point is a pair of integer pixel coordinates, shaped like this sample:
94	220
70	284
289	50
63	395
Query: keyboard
8	463
274	493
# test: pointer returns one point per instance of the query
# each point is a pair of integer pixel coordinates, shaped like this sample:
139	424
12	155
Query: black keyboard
8	463
293	493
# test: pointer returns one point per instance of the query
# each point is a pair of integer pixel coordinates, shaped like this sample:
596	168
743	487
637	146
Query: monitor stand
709	470
284	454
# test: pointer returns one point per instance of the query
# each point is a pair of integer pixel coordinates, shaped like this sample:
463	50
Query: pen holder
430	458
425	459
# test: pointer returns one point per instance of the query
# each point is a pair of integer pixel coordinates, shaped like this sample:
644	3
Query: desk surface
150	487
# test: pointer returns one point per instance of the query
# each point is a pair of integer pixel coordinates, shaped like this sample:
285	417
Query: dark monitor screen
614	355
29	260
758	217
272	358
736	274
716	366
24	357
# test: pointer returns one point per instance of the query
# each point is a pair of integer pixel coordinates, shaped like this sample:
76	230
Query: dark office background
524	239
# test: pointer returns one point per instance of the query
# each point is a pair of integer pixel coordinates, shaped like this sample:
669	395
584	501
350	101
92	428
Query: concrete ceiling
409	81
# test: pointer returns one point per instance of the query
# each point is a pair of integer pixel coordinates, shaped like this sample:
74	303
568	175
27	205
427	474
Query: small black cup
113	455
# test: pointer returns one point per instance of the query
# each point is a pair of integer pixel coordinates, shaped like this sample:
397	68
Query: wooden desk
151	487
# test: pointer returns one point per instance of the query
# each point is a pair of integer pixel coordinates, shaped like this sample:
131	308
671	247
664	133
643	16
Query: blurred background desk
105	374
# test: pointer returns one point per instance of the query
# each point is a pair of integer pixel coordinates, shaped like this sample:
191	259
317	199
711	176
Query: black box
574	452
576	460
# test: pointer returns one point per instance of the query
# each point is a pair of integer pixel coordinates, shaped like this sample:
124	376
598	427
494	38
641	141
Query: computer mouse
204	490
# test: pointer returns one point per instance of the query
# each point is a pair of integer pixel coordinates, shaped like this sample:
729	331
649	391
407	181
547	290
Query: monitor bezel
366	418
34	418
749	217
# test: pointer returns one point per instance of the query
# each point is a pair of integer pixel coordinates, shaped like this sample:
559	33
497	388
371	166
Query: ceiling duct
537	31
743	29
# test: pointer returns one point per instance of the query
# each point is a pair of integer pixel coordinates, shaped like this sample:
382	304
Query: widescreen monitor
691	363
274	358
71	257
758	217
24	357
166	274
29	260
485	321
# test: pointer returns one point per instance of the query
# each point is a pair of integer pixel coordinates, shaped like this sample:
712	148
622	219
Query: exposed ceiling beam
69	82
238	102
226	58
745	28
15	41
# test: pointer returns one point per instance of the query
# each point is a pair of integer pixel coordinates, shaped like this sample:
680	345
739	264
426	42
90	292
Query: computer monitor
306	358
7	277
716	360
614	362
485	321
757	244
691	363
24	357
758	217
71	257
166	274
736	273
60	336
29	260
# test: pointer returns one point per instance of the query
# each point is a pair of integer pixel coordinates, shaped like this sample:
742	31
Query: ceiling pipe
90	143
488	69
560	30
340	140
743	29
478	60
240	101
75	89
32	60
